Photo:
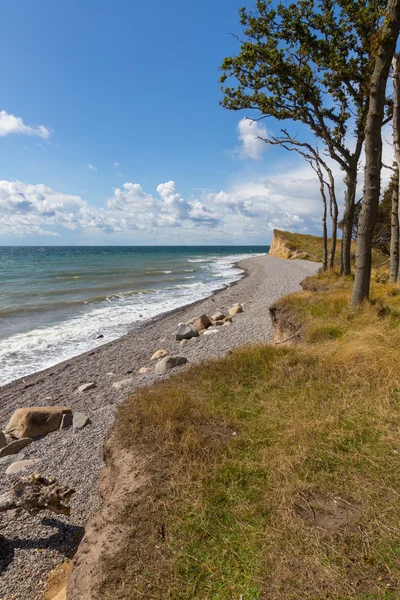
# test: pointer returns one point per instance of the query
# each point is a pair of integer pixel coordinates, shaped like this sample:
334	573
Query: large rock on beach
14	447
185	332
202	322
235	310
36	420
20	466
211	332
219	316
169	362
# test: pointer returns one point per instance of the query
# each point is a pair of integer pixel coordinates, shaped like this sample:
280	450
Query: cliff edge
290	246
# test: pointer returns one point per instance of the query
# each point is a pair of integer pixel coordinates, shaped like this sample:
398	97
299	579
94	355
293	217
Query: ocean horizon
57	302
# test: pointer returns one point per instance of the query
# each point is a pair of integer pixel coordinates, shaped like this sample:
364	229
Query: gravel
31	546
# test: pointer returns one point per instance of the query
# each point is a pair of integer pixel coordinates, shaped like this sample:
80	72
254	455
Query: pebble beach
32	546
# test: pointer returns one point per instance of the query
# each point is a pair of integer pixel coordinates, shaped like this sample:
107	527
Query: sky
111	132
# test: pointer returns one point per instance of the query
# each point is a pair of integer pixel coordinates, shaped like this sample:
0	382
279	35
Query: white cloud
116	165
243	213
91	167
10	124
248	132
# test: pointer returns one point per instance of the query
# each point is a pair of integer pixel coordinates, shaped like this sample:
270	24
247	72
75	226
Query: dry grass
276	470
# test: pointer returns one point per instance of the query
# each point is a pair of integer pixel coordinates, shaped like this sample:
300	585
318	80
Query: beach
35	545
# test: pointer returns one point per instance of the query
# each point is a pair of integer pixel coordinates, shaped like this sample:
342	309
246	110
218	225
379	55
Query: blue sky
111	131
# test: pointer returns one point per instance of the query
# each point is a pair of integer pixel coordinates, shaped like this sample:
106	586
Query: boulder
169	362
118	385
15	446
66	421
235	310
185	332
20	466
159	354
202	322
3	440
80	420
85	387
35	421
219	316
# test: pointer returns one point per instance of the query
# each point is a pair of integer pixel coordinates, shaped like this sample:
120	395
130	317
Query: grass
274	472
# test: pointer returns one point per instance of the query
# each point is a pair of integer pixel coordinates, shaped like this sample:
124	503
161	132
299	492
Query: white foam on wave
25	353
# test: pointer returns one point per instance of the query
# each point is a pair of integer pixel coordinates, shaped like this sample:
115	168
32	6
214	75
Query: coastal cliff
281	248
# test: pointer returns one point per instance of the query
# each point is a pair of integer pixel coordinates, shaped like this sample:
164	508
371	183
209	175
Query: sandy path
33	546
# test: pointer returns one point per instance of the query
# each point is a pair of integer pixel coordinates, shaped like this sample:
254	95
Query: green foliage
309	61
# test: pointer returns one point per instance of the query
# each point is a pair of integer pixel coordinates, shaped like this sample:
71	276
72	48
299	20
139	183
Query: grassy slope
276	469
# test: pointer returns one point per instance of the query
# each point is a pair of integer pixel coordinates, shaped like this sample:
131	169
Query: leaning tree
310	62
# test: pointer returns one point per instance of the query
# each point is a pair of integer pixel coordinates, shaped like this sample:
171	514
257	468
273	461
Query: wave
111	315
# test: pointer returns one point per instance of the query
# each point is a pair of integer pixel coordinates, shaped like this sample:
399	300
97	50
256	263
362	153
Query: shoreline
75	457
140	324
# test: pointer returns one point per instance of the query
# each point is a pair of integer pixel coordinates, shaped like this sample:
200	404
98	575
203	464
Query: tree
373	149
318	164
395	241
310	62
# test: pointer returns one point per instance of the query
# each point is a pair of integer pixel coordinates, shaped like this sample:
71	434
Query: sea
58	302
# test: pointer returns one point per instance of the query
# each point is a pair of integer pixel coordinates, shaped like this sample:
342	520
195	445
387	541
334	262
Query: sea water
55	302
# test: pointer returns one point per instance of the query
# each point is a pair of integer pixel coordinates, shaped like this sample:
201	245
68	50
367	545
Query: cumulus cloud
10	124
91	167
244	212
248	133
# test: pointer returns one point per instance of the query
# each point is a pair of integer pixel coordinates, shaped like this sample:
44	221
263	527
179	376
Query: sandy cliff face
279	249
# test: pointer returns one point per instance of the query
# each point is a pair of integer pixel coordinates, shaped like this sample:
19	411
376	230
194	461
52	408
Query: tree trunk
348	219
373	151
394	235
324	215
394	239
334	212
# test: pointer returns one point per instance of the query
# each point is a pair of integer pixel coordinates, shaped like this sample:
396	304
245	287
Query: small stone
185	332
66	421
219	316
86	387
21	465
99	337
145	370
202	322
15	446
3	440
184	342
211	331
118	385
227	323
80	420
219	323
7	460
169	362
235	310
159	354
